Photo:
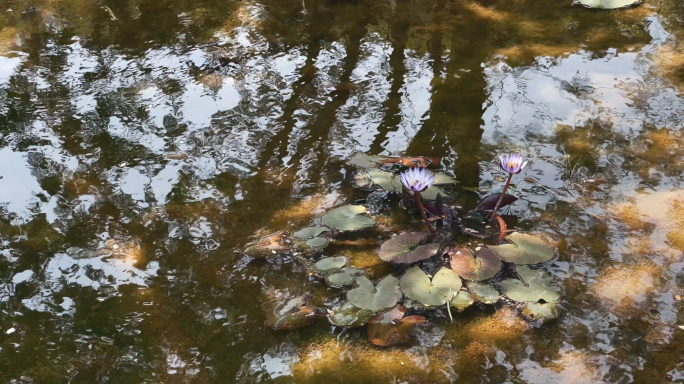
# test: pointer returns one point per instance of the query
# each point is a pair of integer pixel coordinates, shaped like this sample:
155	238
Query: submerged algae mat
145	143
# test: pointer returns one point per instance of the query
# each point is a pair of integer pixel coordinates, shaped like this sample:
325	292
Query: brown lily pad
405	248
392	328
267	246
477	268
291	314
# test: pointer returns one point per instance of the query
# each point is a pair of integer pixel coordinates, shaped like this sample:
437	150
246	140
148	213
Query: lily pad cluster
508	273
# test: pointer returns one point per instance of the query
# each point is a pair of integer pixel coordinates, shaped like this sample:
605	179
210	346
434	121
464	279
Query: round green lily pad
344	277
330	264
540	286
404	248
525	249
484	293
384	295
310	232
462	300
485	266
348	218
417	286
317	242
375	178
348	315
546	311
608	4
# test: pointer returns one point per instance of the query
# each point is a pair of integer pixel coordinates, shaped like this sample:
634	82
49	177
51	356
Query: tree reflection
186	128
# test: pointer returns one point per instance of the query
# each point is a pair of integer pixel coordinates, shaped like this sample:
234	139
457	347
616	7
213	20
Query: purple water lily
512	163
417	179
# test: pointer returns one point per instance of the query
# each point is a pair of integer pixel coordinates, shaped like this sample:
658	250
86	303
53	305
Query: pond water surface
143	143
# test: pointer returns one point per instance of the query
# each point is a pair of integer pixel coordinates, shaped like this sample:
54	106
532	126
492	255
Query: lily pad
348	315
348	218
376	178
366	161
317	243
267	246
310	232
344	278
291	314
392	328
546	311
484	293
608	4
431	193
417	286
540	286
525	249
330	264
384	295
485	266
404	248
462	300
442	178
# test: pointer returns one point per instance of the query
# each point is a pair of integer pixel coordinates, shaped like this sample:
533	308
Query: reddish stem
498	203
422	212
502	227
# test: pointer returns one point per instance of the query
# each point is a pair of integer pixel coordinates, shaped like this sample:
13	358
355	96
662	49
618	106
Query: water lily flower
512	163
417	179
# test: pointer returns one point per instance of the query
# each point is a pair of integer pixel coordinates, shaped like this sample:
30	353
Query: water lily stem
422	212
502	227
498	203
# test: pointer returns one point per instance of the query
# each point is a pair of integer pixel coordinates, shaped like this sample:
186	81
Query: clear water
144	143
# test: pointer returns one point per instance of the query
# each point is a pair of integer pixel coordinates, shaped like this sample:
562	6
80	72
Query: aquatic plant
348	218
392	327
418	286
405	248
418	180
524	249
513	164
481	267
457	277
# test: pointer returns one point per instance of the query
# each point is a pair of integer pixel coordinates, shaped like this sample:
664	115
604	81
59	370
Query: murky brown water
144	143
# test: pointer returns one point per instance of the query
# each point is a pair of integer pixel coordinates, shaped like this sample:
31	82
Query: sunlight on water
144	144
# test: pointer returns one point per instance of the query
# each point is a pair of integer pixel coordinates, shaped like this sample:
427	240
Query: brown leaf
391	328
